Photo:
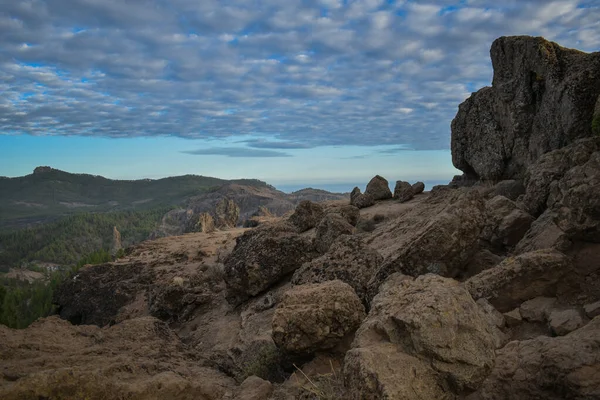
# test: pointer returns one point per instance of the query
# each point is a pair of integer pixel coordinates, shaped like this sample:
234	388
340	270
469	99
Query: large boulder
361	200
306	216
316	317
379	188
549	368
418	188
435	328
520	278
439	237
330	228
349	259
506	223
544	233
542	98
262	257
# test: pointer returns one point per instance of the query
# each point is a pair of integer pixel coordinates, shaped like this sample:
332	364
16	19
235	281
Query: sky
295	92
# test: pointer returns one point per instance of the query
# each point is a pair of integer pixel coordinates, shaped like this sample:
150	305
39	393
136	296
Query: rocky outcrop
306	216
506	223
542	98
430	324
227	214
316	316
349	212
205	224
330	228
264	256
361	200
349	259
116	241
135	359
403	191
520	278
551	368
418	188
378	188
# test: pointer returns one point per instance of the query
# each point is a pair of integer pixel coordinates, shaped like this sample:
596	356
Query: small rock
513	318
592	310
538	309
403	191
330	228
379	188
254	388
565	321
361	200
418	188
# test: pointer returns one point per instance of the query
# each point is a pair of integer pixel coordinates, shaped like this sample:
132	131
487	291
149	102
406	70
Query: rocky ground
484	289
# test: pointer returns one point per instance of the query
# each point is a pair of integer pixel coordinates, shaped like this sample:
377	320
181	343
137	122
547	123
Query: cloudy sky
293	92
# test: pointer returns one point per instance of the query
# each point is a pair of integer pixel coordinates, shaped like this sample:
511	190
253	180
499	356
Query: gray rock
379	188
506	224
254	388
538	309
513	317
542	98
510	189
592	310
418	188
361	200
562	322
544	234
403	191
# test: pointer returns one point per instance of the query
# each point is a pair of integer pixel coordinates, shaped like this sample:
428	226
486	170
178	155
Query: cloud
236	152
303	73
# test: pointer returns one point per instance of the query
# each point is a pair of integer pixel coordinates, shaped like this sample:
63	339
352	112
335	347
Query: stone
262	257
418	188
349	212
403	191
494	317
562	322
254	388
378	188
513	317
480	261
227	213
542	98
538	309
592	310
205	223
361	200
520	278
549	368
544	234
316	317
506	224
330	228
435	320
306	215
348	259
511	189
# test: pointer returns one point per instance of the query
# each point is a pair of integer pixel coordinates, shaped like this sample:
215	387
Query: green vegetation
65	241
596	125
22	302
49	193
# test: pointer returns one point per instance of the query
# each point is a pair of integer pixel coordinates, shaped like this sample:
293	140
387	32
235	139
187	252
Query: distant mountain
49	193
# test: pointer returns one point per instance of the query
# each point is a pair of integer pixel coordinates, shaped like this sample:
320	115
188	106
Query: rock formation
361	200
403	191
542	98
378	188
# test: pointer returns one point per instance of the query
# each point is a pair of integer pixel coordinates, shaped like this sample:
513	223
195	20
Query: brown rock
520	278
361	200
513	318
403	191
418	188
316	316
562	322
592	310
227	213
306	216
506	224
538	309
544	234
379	188
330	228
510	189
254	388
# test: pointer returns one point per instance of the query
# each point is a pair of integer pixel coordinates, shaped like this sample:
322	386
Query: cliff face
542	98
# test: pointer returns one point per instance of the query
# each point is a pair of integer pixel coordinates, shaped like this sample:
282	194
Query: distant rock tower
116	242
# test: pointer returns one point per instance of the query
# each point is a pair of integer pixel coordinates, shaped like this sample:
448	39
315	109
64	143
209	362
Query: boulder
306	216
418	188
549	368
513	317
544	234
254	388
403	191
542	98
439	237
538	309
480	261
432	319
361	200
349	259
330	228
520	278
349	212
506	224
262	257
379	188
316	317
592	310
562	322
511	189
